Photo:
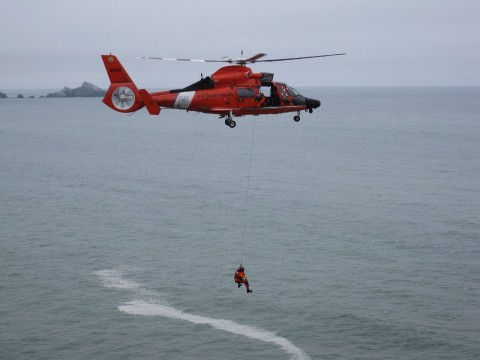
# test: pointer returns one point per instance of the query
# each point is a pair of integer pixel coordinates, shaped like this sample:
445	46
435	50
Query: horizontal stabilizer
152	106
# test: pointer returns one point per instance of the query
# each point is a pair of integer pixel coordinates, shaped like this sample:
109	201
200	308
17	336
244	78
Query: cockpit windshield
292	91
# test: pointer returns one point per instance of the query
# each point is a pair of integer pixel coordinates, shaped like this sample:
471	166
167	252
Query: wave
114	279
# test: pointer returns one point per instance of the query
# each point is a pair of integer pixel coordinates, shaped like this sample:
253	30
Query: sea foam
114	279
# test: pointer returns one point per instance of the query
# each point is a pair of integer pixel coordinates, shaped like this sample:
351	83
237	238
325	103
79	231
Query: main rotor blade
254	58
175	59
298	58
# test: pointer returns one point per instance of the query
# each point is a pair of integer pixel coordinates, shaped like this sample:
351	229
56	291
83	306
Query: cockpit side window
292	91
246	93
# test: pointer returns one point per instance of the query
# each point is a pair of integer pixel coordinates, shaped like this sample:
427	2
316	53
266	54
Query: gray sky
56	43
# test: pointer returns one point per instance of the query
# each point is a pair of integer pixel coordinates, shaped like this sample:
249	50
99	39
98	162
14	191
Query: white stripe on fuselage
183	100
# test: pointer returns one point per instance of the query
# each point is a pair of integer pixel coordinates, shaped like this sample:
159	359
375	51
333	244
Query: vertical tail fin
123	95
115	70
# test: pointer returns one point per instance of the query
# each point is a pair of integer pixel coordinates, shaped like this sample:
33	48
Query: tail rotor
123	98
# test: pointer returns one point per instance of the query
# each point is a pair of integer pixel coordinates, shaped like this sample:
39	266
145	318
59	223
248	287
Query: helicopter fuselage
233	90
238	91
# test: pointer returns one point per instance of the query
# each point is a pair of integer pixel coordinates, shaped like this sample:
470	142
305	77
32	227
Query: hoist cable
248	188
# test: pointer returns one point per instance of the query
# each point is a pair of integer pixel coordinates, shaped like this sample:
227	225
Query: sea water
119	235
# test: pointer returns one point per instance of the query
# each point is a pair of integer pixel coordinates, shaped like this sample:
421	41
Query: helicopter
232	90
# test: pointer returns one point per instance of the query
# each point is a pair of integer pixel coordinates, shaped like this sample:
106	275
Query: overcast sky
54	43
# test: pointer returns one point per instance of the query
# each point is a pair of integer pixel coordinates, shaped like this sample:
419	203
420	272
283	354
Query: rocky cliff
86	90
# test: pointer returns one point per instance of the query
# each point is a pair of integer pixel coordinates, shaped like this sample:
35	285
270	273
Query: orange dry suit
241	278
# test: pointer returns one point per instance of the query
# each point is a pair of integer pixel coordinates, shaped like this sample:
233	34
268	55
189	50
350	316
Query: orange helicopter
233	90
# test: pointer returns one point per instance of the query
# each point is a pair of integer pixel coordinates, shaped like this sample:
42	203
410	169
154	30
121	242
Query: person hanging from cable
241	278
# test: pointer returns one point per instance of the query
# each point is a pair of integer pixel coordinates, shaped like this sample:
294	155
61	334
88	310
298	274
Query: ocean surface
119	235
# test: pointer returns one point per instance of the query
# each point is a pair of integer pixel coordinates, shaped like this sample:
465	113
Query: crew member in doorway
241	278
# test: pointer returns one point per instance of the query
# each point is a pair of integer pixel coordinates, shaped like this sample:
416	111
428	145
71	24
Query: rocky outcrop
86	90
3	95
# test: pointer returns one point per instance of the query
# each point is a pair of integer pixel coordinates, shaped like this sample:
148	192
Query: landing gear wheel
296	118
310	111
229	122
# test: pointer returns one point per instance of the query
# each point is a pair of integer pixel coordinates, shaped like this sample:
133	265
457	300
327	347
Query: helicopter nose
312	103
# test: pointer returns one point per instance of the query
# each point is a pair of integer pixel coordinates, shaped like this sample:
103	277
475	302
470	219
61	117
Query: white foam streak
138	307
114	279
